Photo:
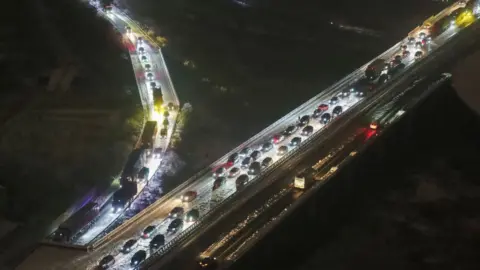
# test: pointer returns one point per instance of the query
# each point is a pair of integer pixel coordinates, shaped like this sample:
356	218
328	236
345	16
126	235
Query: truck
148	137
136	161
74	224
375	69
123	197
304	179
157	99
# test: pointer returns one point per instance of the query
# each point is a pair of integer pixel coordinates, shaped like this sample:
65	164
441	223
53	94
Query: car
175	225
278	138
140	40
373	125
422	35
149	231
398	57
323	107
246	162
360	93
143	58
325	118
192	215
290	130
267	162
334	100
241	181
307	131
295	141
233	158
254	168
218	183
396	69
418	44
396	62
316	113
403	47
233	172
282	150
255	155
219	172
418	54
189	196
337	111
267	147
141	50
176	212
304	120
150	76
383	79
157	241
153	84
208	263
138	257
345	93
406	54
147	67
128	246
245	152
411	40
106	262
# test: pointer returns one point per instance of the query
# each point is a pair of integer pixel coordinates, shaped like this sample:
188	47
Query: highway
157	214
207	199
151	56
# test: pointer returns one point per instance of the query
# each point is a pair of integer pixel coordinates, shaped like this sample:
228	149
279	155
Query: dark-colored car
325	118
406	54
290	130
337	111
149	231
138	257
218	183
418	44
307	131
295	141
255	155
360	93
267	147
233	158
106	262
246	162
282	150
153	84
245	152
208	263
175	225
255	168
192	215
157	241
219	172
418	54
129	245
241	181
189	196
304	120
334	100
176	212
316	113
267	162
383	79
345	93
233	172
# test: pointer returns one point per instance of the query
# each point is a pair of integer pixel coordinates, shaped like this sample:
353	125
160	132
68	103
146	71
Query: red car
323	107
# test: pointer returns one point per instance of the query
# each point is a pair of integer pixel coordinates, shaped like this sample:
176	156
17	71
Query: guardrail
227	201
109	237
